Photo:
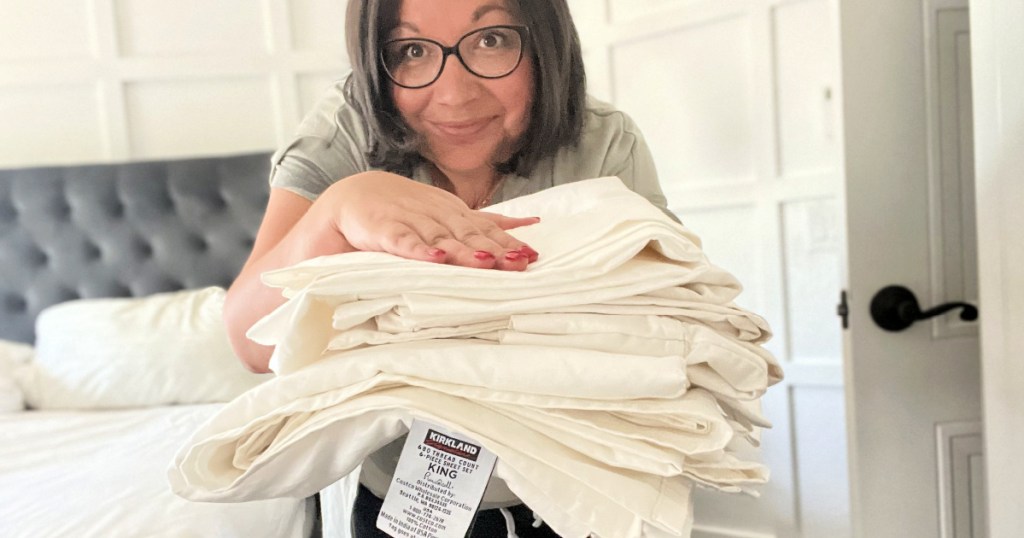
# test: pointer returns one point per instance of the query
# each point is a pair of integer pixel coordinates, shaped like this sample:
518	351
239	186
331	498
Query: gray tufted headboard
118	230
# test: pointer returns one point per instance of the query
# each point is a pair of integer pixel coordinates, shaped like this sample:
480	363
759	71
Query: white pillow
14	357
169	348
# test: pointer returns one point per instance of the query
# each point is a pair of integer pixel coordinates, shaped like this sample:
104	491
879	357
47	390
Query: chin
471	159
465	160
465	166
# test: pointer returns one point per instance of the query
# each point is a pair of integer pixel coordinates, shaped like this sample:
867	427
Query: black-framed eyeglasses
489	52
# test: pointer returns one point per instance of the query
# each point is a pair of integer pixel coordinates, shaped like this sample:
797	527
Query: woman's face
469	123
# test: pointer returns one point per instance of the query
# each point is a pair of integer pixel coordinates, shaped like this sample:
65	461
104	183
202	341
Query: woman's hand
383	212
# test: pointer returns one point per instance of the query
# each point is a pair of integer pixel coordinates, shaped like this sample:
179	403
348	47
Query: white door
998	43
913	397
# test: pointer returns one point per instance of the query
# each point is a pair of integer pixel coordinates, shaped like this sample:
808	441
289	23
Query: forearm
248	299
370	211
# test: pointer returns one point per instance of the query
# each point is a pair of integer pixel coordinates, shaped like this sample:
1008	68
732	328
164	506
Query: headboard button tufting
15	303
116	210
198	243
123	229
39	257
142	248
8	213
62	211
68	294
92	252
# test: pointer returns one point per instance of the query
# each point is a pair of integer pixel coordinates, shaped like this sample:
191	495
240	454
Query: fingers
388	213
472	241
530	254
510	253
511	244
514	260
502	223
406	242
461	242
508	223
504	260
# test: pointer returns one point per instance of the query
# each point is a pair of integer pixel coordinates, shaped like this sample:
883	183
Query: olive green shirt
331	144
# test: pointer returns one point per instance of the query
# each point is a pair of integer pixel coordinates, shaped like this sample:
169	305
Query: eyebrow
408	26
477	15
483	10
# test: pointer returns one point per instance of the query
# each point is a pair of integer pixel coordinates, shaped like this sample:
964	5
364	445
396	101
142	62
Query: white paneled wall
805	65
738	101
113	80
707	139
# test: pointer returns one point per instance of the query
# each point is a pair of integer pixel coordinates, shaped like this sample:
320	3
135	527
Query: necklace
486	200
440	181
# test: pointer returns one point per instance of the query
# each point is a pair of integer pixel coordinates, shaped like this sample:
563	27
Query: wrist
319	231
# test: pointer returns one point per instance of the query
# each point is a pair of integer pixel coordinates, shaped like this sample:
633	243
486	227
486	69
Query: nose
456	85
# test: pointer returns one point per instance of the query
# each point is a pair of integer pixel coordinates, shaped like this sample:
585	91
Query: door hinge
843	310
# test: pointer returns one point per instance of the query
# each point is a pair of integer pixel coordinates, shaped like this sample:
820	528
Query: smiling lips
461	129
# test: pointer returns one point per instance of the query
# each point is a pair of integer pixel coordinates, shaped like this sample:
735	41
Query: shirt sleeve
295	169
330	145
630	159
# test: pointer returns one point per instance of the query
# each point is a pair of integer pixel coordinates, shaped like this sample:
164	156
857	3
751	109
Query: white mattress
103	473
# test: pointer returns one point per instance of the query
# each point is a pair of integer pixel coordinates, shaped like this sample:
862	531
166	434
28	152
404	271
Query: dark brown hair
559	93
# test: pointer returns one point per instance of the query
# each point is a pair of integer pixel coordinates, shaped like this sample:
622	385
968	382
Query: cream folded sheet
609	378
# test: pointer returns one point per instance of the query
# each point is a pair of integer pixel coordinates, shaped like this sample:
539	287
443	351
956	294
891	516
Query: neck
474	187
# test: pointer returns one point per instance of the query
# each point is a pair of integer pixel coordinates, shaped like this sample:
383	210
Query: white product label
438	484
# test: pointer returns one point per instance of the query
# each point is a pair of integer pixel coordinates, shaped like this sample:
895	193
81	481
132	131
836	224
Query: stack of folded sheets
609	378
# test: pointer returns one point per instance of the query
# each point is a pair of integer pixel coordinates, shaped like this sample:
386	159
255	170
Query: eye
413	51
406	50
493	39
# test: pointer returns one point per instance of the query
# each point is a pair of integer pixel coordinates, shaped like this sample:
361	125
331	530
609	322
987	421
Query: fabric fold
610	378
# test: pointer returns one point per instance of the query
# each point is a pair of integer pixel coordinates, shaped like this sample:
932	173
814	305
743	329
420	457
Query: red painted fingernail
513	255
530	253
437	253
483	255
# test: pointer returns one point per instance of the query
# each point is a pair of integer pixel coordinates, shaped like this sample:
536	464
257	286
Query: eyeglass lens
491	52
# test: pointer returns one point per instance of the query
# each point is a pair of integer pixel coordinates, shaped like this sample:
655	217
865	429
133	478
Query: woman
451	105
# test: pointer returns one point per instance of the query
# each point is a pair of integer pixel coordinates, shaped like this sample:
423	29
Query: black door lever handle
895	308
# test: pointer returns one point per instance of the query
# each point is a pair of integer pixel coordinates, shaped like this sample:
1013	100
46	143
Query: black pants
488	523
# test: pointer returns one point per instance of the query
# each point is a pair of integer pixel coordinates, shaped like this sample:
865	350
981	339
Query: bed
111	347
